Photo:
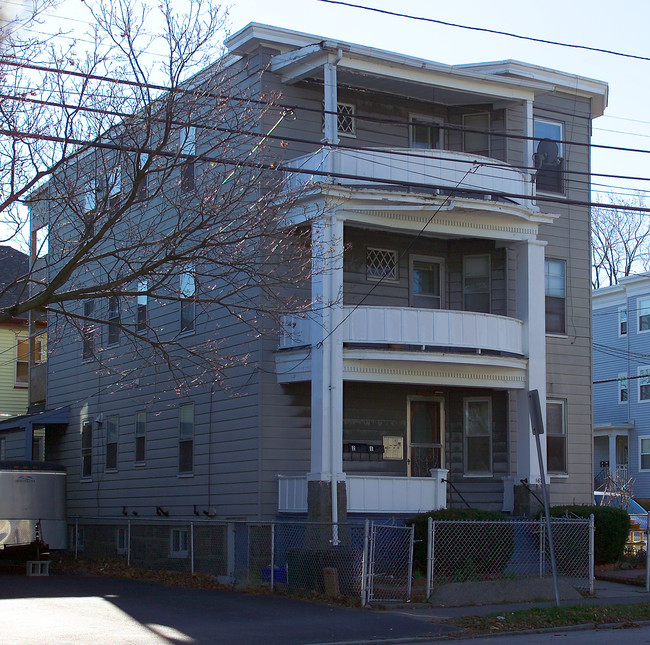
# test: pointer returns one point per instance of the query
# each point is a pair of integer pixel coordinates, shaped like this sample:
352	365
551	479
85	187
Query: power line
486	30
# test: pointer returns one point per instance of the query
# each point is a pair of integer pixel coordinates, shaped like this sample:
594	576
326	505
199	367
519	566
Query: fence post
192	548
647	553
592	533
364	565
542	559
410	569
430	547
128	544
272	555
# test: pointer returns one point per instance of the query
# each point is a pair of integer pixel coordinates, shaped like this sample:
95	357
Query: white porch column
613	461
327	350
531	309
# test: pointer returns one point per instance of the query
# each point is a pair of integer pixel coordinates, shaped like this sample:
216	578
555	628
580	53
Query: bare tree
146	171
620	242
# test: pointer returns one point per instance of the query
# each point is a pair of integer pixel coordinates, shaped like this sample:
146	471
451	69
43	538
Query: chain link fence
369	561
462	551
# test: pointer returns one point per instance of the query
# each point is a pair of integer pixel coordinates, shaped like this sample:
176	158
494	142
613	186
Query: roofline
524	75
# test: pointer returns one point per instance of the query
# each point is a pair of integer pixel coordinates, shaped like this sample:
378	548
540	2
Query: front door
425	436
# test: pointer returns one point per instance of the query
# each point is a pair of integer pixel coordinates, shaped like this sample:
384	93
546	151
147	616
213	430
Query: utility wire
486	30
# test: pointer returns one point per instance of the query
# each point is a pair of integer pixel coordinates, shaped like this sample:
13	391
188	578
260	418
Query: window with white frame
188	299
476	133
477	422
87	448
556	437
555	290
643	309
425	133
186	438
426	280
644	453
140	436
188	152
476	283
622	321
141	306
549	156
346	122
112	434
88	331
179	543
121	540
114	316
381	264
644	383
623	393
22	362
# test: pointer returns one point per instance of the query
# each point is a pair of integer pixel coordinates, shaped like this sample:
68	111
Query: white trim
623	379
621	310
430	259
641	438
641	369
639	300
427	120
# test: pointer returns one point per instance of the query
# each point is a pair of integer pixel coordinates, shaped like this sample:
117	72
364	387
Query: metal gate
389	563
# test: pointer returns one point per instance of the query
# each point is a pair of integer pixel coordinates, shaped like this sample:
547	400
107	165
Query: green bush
612	529
466	549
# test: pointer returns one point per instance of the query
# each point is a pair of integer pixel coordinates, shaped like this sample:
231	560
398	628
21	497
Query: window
426	282
142	190
112	431
644	384
179	541
87	448
186	438
346	124
88	331
121	540
381	264
622	321
3	448
188	300
142	301
38	444
555	288
113	320
623	393
644	453
22	362
643	307
140	436
90	197
549	156
476	136
188	147
556	441
478	436
425	133
476	283
114	188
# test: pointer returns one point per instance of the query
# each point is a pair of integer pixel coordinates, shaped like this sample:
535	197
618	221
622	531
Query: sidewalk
606	592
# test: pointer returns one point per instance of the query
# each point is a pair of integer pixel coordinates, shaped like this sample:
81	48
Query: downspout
331	137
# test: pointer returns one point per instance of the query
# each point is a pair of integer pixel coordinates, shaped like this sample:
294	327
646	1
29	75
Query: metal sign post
538	428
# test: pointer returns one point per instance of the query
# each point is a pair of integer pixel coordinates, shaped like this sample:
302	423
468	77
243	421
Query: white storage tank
31	491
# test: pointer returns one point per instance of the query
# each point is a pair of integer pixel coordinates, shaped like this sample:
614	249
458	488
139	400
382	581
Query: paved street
62	610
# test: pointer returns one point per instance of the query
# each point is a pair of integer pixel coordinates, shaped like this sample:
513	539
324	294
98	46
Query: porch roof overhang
624	428
412	212
303	56
56	417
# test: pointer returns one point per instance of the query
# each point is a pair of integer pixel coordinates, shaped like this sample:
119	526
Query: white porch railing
372	493
436	168
411	326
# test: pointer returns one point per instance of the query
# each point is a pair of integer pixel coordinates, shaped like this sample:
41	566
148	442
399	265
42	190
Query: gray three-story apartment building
454	201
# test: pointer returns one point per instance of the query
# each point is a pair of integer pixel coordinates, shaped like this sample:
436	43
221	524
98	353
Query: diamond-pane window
381	264
346	123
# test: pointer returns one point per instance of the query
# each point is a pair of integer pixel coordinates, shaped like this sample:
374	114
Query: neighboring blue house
621	332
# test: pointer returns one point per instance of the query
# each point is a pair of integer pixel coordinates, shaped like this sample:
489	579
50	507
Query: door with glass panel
425	436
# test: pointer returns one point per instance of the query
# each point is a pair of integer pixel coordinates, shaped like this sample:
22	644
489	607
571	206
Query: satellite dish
547	153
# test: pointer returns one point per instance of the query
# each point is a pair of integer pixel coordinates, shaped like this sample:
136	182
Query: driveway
61	610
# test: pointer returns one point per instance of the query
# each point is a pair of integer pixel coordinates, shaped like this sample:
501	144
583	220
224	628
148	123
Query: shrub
466	549
612	529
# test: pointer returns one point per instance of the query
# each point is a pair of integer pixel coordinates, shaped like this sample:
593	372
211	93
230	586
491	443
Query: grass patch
543	617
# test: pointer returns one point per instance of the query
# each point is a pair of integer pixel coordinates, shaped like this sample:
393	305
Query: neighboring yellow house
14	340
